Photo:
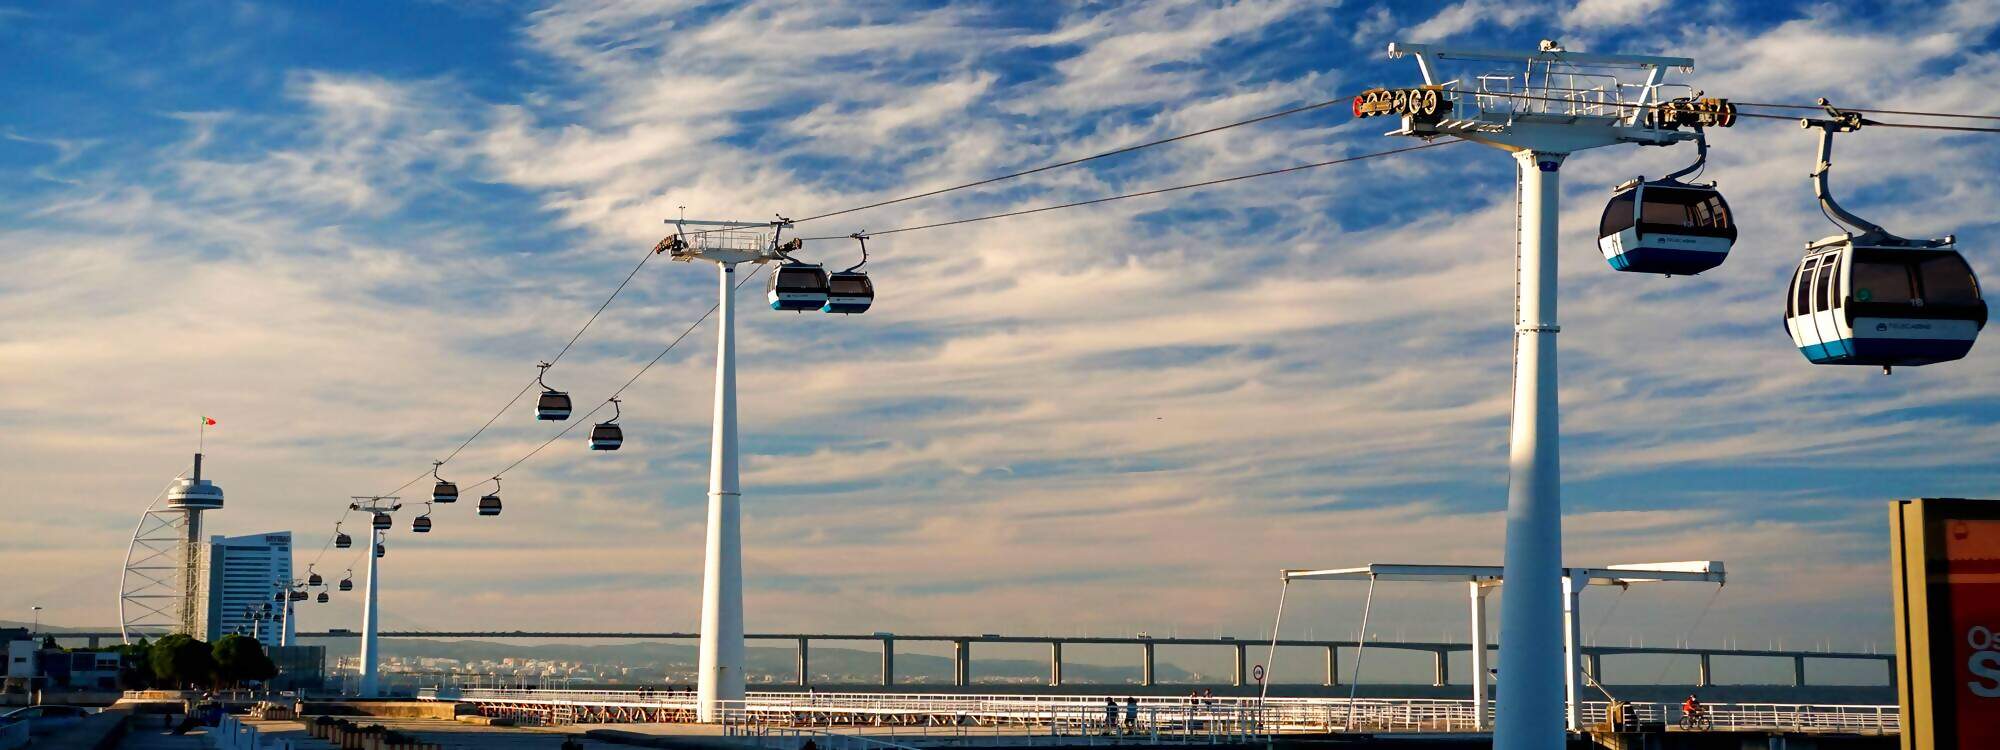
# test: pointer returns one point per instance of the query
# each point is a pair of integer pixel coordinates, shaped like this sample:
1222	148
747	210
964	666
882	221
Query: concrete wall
386	709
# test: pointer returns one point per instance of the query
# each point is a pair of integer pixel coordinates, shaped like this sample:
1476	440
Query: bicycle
1697	720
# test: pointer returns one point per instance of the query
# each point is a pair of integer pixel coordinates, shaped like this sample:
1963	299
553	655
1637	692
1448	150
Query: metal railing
1212	719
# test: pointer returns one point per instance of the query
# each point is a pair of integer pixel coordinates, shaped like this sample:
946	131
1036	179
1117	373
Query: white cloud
1468	15
1594	14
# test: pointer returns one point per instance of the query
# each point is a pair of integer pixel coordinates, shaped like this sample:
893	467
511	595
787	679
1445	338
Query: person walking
1110	714
1131	713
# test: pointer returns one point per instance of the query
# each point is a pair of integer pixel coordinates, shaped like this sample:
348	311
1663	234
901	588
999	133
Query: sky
348	231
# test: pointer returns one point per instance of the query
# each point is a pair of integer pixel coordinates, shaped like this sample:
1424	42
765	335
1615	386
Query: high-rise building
243	573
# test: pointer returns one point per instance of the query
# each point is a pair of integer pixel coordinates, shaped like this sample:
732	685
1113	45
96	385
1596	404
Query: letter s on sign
1985	668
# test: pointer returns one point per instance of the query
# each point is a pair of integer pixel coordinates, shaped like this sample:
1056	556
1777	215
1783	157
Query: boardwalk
448	734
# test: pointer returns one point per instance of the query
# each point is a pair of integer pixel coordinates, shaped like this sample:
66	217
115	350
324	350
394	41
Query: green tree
239	658
182	661
135	665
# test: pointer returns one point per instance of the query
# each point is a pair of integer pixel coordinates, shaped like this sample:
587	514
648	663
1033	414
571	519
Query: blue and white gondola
553	406
489	504
1666	227
444	491
849	293
607	435
1876	306
797	287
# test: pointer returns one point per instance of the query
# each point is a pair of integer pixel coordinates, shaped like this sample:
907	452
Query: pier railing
1216	719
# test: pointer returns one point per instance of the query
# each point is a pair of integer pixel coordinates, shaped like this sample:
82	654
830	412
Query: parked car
45	718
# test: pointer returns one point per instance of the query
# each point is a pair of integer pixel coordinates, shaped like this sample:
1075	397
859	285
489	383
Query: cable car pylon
371	615
1536	112
719	679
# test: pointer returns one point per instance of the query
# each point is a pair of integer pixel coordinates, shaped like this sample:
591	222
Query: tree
239	658
135	665
182	661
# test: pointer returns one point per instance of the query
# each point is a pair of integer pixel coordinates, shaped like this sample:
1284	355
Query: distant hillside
47	628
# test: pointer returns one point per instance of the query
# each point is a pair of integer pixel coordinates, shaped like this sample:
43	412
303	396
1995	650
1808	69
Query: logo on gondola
1880	327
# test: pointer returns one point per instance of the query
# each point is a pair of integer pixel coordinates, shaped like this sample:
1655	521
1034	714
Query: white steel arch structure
152	594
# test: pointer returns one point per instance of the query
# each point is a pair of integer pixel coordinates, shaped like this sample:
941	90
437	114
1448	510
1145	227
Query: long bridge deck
955	714
1144	648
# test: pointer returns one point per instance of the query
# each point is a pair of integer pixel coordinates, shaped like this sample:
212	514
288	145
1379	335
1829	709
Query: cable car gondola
849	292
323	598
797	287
489	505
341	539
608	436
422	524
443	492
380	550
1667	226
383	522
314	579
298	595
1868	297
347	584
554	404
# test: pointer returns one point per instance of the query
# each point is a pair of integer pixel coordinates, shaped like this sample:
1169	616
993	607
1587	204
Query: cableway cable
621	389
704	317
1156	191
1072	162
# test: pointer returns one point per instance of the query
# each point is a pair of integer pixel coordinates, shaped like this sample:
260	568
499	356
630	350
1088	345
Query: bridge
1146	649
960	715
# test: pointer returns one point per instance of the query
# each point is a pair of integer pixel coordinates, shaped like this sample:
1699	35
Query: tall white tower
163	588
191	496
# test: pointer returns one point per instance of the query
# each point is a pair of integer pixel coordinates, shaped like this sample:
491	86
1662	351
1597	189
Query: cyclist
1692	710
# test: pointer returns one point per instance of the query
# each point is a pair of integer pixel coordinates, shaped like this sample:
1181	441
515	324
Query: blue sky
349	230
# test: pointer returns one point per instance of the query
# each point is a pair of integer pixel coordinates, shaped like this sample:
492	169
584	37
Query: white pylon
1541	116
719	675
370	605
721	683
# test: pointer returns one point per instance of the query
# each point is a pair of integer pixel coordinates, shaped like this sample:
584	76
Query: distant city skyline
348	233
